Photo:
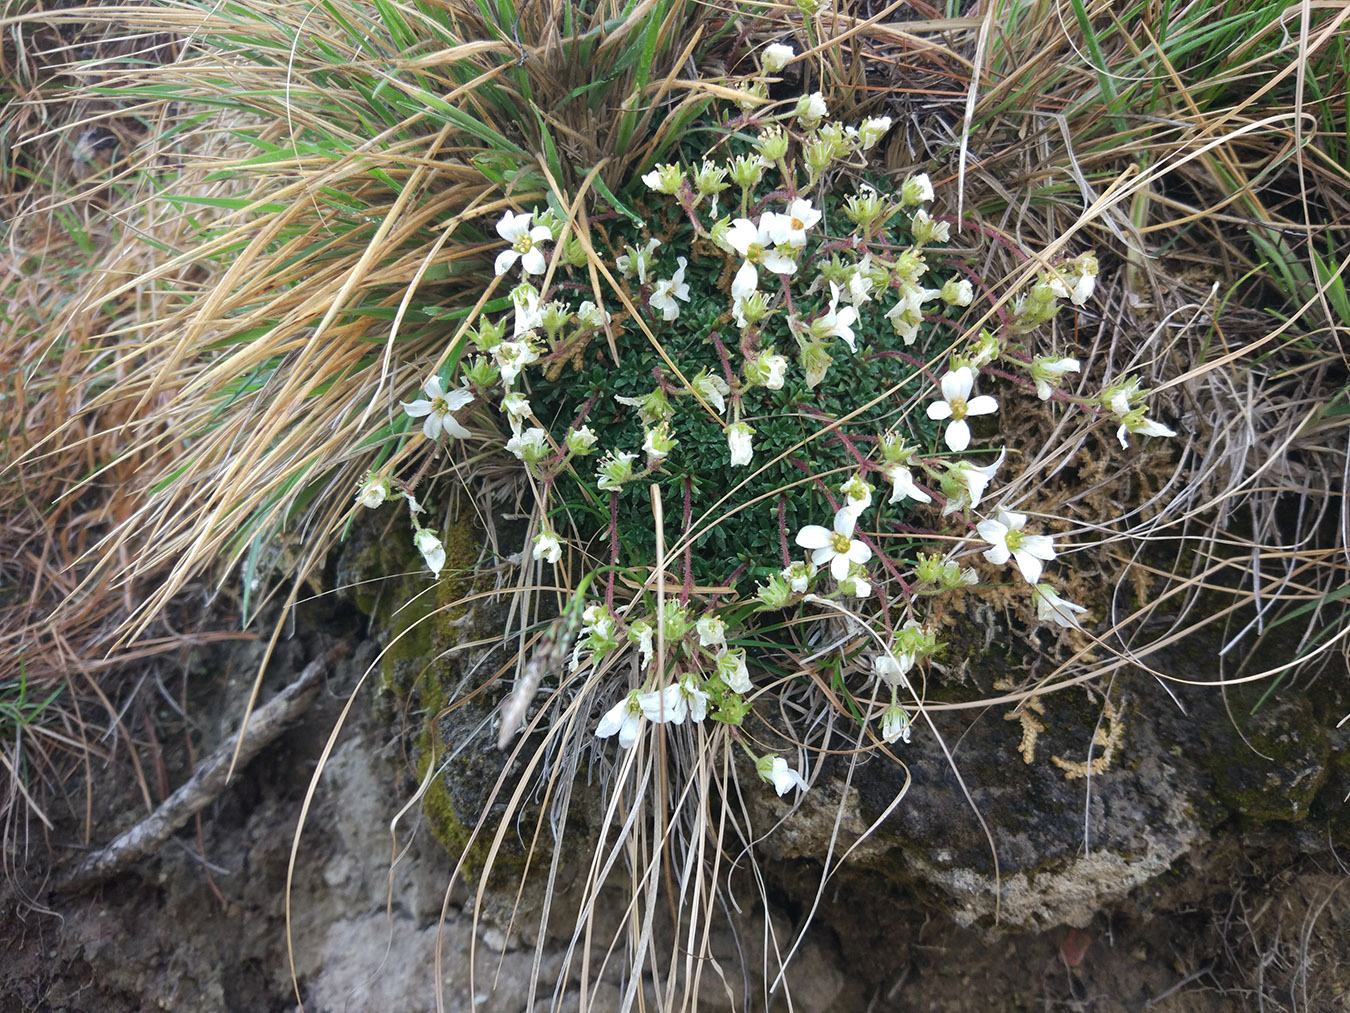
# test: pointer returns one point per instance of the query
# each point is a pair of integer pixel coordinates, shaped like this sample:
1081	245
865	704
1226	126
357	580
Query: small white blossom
667	706
580	440
1047	372
768	369
811	109
1029	552
616	468
857	495
776	771
739	443
836	323
916	190
547	546
958	292
625	718
712	389
512	357
1050	607
712	632
437	410
903	487
927	229
665	179
957	404
524	240
373	491
665	292
872	130
732	670
530	445
799	575
789	228
964	484
431	549
895	724
838	548
637	261
752	242
889	670
592	315
695	699
1137	422
775	57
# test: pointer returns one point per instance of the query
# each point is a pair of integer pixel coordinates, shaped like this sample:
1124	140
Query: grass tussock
300	230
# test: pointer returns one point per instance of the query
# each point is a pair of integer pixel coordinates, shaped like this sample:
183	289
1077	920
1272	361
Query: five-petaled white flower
625	717
776	771
838	548
1051	607
437	408
789	228
666	291
524	240
1029	552
957	404
752	242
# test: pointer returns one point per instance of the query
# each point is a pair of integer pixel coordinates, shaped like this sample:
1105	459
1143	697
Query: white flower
712	632
374	491
1076	280
432	550
1004	533
592	315
739	443
956	387
732	670
712	389
890	671
965	483
895	724
437	409
751	241
811	109
836	323
1047	373
547	546
530	445
695	700
860	282
1136	422
958	292
517	408
775	770
775	57
916	189
640	633
637	260
857	495
515	229
667	706
871	130
664	179
903	487
625	717
856	583
512	357
798	575
529	315
837	548
926	229
767	369
790	228
580	440
1051	607
616	468
666	292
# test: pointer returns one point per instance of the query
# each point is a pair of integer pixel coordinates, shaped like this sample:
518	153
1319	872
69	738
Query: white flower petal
957	436
982	405
813	536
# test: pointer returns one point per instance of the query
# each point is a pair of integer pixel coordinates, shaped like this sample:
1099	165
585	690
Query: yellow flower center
840	543
1013	540
439	407
755	253
797	224
524	244
958	407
